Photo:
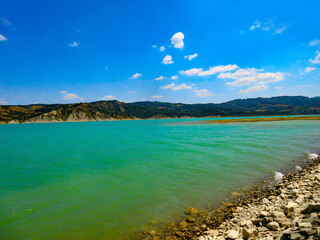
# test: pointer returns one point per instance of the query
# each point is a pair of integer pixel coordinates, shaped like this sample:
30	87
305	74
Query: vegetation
103	110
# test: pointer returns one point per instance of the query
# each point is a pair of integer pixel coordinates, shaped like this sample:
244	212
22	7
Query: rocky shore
289	209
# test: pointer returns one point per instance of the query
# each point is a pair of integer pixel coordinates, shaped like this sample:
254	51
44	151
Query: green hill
104	110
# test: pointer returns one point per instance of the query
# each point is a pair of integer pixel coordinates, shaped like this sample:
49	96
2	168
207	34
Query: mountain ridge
116	110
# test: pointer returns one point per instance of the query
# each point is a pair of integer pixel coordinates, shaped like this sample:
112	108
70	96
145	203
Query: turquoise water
101	180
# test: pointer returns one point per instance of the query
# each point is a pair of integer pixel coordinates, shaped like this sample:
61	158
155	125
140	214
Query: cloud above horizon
74	44
177	40
268	25
3	38
256	88
211	71
175	87
136	75
5	21
108	97
251	76
314	42
309	69
167	60
160	78
204	93
70	96
190	57
316	60
156	96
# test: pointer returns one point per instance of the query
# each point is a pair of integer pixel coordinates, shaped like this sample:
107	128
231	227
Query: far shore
269	119
237	120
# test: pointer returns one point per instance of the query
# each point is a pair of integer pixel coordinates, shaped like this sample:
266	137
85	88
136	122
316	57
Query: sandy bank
263	119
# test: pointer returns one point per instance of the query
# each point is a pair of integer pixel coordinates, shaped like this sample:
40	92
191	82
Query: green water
100	180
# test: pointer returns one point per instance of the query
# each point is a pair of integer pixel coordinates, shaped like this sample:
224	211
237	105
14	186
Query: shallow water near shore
101	180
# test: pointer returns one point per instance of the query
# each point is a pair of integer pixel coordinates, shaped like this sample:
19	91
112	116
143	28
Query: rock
212	233
264	214
190	220
249	233
192	211
246	223
179	234
257	222
262	229
232	234
290	208
220	238
312	207
278	216
296	236
305	225
183	224
287	224
274	226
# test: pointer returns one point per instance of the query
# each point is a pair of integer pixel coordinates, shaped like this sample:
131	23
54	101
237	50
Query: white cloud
268	25
190	57
280	30
131	92
211	71
251	76
157	97
167	60
191	72
256	24
174	87
108	97
181	87
2	38
217	69
70	96
136	75
177	40
168	86
81	99
3	102
309	69
204	93
160	78
256	88
162	48
74	44
5	21
316	60
314	42
278	88
63	92
154	46
174	77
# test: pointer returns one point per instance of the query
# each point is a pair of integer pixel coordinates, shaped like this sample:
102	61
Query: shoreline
225	220
271	119
243	119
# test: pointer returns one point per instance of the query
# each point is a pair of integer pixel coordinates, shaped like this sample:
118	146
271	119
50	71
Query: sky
204	51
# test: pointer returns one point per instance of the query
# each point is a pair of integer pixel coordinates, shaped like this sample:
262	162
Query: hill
106	110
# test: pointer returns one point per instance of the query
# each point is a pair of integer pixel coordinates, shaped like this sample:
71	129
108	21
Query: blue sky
175	51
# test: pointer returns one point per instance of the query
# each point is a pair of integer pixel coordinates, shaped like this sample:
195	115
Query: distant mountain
275	105
108	110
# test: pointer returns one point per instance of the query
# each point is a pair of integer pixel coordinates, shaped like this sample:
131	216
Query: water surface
100	180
